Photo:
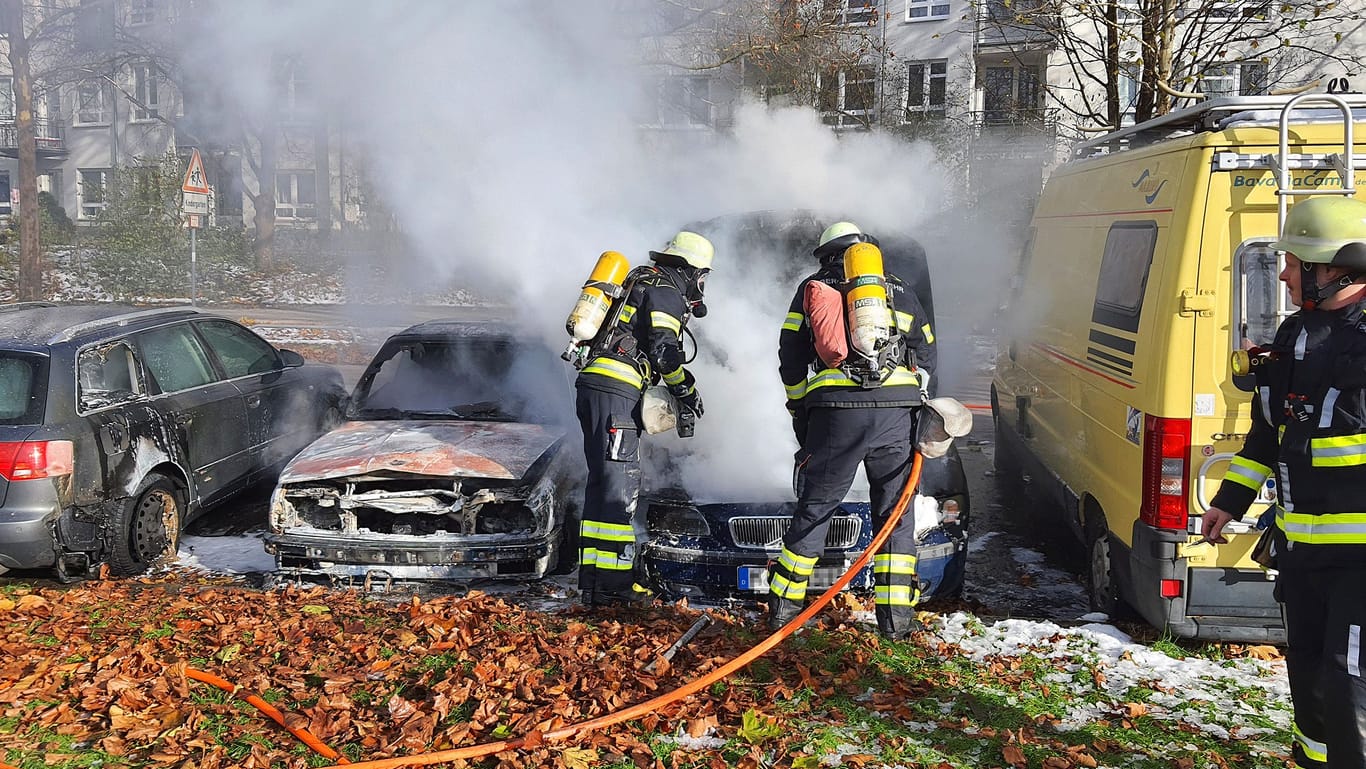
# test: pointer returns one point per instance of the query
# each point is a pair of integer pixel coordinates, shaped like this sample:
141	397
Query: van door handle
253	401
184	420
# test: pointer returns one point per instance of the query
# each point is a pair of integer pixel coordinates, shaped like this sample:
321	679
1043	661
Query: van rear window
1124	274
23	388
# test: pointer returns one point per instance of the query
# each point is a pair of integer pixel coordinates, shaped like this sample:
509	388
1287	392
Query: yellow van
1147	266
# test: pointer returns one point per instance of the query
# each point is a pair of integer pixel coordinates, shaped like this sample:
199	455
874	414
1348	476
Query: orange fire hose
273	712
635	711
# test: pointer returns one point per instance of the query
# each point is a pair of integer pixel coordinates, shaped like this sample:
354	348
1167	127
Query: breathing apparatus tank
604	285
866	299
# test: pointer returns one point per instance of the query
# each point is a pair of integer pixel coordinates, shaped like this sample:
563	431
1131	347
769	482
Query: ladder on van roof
1344	163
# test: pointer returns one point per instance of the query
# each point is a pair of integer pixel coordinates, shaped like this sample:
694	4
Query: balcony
1022	25
1014	134
51	139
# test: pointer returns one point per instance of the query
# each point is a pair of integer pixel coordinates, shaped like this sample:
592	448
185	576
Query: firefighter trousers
1325	614
610	536
837	441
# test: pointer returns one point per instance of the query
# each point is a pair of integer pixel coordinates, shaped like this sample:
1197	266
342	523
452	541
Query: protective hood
498	450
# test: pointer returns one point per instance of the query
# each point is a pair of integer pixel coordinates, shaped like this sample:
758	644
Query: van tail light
1166	463
27	460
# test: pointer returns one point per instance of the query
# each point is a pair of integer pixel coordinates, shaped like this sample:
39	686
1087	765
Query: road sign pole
193	276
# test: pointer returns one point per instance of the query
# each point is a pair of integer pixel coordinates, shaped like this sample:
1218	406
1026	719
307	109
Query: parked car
118	426
457	464
720	549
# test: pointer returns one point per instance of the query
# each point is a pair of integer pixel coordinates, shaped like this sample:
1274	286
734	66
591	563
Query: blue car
718	551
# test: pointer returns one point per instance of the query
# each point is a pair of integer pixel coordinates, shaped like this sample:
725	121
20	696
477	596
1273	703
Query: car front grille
766	532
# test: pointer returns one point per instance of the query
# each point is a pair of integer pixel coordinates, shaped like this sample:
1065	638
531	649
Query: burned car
121	425
719	549
452	466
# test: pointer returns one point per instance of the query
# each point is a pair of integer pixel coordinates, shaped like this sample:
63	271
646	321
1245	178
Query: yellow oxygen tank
866	298
604	285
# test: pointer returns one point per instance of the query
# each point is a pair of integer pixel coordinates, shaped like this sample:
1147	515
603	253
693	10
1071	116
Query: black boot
897	626
633	597
782	610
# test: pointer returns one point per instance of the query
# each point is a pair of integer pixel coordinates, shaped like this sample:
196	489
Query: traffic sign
194	203
196	181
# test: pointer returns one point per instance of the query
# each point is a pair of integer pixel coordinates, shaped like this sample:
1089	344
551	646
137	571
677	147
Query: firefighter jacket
809	382
1309	433
645	344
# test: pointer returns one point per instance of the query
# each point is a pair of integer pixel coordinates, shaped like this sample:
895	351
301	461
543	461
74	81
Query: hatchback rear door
23	398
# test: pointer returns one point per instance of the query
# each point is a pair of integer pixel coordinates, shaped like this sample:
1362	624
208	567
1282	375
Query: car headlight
672	519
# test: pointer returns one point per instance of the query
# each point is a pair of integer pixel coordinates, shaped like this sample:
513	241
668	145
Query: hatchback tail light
27	460
1166	463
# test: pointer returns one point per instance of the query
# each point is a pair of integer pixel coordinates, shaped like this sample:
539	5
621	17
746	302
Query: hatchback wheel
148	531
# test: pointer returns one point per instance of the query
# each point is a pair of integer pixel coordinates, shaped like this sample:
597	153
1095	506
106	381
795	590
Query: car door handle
253	401
184	420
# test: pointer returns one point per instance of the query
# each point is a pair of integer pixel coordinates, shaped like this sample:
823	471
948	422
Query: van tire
147	532
1101	587
1003	460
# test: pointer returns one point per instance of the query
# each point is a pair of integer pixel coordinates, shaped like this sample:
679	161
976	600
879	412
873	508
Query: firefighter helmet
686	248
1326	230
836	238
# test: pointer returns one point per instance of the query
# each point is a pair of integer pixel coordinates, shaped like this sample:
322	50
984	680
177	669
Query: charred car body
452	467
720	549
118	426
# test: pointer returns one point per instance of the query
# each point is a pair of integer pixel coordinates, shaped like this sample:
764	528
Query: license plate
755	578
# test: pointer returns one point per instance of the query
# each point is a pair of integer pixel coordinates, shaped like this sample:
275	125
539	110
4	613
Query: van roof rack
1209	115
71	332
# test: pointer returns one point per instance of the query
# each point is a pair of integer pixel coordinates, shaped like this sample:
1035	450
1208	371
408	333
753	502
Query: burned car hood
502	450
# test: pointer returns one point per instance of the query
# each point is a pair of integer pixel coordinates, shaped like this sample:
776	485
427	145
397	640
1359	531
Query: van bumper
1215	604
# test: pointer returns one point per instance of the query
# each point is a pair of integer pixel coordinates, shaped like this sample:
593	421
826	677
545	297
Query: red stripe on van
1107	213
1071	361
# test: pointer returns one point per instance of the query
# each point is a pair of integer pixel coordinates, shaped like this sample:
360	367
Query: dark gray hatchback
118	426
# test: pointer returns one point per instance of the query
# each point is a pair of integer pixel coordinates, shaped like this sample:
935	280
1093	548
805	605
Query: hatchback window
23	384
240	351
175	358
106	376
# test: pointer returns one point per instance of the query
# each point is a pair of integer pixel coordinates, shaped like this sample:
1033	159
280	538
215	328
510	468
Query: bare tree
785	51
1150	56
30	283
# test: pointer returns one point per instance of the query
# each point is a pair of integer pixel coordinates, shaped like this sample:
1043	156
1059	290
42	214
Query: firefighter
1308	432
842	418
642	348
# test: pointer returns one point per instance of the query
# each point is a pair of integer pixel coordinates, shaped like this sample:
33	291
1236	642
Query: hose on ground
304	736
635	711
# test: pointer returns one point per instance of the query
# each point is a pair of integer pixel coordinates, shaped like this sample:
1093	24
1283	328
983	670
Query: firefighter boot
781	611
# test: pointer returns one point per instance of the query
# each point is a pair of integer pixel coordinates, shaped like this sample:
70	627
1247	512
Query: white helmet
689	248
838	237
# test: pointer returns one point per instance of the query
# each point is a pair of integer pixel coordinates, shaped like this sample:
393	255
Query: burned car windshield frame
459	386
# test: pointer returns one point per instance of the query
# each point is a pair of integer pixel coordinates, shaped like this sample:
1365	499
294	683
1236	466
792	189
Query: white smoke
505	138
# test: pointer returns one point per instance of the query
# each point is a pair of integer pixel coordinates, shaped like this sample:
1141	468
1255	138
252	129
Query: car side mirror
291	359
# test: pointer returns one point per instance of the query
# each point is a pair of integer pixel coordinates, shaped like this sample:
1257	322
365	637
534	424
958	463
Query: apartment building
112	94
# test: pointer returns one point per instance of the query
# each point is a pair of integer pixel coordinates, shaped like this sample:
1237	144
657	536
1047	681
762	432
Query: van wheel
1003	459
148	530
1100	583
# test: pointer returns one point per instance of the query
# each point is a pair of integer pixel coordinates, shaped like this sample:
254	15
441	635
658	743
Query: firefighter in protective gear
840	422
643	347
1309	433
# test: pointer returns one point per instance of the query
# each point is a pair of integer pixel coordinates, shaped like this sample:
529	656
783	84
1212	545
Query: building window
1251	9
142	12
147	93
924	10
685	101
1246	78
852	11
91	192
1012	11
1011	95
6	99
296	195
847	96
926	84
296	92
92	103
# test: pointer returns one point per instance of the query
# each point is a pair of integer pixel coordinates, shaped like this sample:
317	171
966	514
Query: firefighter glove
691	400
